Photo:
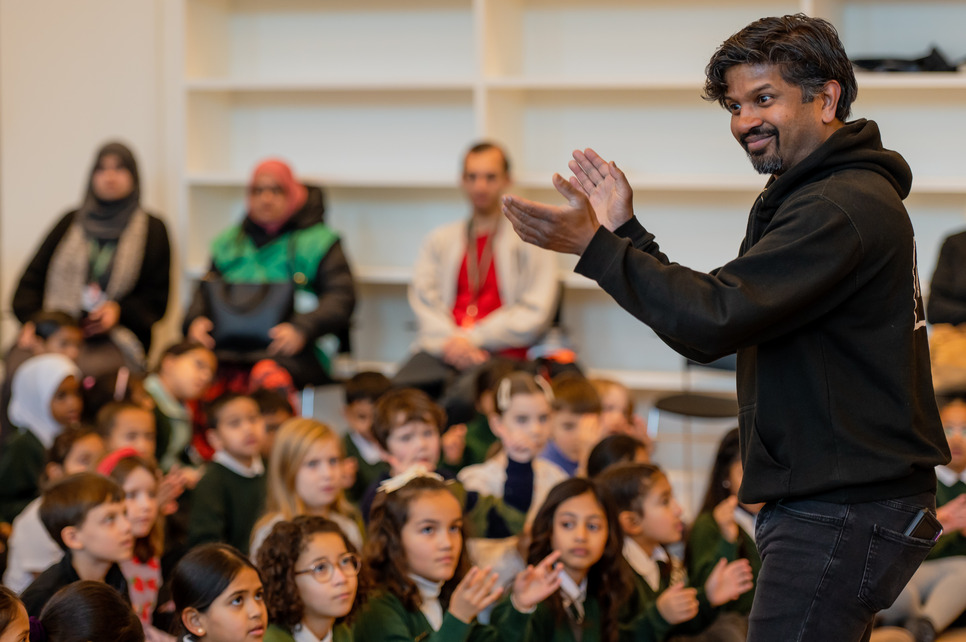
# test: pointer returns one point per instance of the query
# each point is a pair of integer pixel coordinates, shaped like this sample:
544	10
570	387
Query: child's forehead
105	508
584	505
407	421
435	505
134	415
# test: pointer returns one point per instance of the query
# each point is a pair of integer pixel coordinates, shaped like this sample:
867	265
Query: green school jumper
225	507
385	619
706	546
21	465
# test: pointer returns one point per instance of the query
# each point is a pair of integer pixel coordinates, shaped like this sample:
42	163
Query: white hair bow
393	484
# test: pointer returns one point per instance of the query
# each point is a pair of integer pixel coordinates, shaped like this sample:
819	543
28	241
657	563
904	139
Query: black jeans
828	568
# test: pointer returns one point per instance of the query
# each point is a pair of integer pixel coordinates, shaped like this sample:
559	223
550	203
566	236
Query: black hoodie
823	308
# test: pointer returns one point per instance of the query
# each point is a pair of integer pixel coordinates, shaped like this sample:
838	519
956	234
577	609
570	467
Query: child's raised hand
728	581
678	603
453	443
952	514
536	583
474	593
724	515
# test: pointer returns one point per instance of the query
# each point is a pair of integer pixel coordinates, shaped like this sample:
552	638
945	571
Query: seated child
45	400
617	411
138	478
361	394
616	449
218	596
305	478
522	423
123	424
575	425
14	622
231	494
47	332
310	572
425	587
725	527
31	548
85	514
649	519
86	611
276	409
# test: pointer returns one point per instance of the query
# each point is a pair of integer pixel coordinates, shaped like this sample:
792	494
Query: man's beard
765	162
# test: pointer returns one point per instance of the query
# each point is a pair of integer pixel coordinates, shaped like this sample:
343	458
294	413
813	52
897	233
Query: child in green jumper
310	571
361	394
428	591
231	494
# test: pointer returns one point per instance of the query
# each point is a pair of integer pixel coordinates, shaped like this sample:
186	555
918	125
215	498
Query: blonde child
45	400
305	478
650	518
427	590
311	575
218	596
231	494
31	549
138	478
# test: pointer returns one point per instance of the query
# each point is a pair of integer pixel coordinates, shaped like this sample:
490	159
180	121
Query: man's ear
71	538
193	621
630	522
830	94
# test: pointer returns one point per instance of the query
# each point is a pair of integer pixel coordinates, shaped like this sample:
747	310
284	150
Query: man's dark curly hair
806	50
276	563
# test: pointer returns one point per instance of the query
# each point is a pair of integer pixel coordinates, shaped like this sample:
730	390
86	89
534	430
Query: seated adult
282	239
497	299
106	263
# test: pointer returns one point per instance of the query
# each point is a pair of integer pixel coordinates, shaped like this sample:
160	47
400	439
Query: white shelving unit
377	99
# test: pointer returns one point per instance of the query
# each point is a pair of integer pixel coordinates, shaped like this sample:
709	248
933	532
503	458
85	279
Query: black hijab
105	220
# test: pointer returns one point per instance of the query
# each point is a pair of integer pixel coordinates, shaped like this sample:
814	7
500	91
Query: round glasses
322	572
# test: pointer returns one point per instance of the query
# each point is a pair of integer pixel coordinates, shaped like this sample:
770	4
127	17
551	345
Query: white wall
72	76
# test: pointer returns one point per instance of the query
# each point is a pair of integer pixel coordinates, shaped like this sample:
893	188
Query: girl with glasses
310	571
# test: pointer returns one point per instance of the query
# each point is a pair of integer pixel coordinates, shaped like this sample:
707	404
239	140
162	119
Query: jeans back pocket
889	564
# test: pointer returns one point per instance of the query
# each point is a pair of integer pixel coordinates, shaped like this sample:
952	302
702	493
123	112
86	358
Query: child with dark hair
230	496
86	611
310	571
45	400
31	548
575	425
218	596
427	589
362	391
14	622
276	409
85	514
122	385
649	518
616	449
124	424
725	527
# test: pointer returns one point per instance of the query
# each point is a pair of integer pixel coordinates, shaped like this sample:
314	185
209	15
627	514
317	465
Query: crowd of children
543	518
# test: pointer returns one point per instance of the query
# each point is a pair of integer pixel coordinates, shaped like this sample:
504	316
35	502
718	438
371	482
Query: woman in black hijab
106	263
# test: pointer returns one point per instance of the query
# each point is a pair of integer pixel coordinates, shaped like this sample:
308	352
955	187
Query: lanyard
477	265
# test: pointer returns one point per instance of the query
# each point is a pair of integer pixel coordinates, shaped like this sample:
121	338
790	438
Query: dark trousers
828	568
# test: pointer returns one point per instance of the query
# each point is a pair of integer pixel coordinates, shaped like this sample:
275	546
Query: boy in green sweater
364	459
230	496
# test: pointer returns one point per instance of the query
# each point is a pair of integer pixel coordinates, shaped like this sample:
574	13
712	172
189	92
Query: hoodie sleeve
797	271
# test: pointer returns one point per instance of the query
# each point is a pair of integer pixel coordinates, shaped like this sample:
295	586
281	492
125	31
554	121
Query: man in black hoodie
839	428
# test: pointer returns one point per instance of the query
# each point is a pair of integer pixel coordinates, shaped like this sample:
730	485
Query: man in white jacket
498	300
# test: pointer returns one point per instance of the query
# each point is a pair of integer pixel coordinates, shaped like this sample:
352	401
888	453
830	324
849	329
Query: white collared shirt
257	469
303	634
369	451
429	600
948	476
573	593
645	565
